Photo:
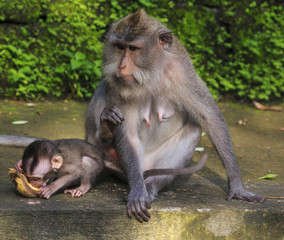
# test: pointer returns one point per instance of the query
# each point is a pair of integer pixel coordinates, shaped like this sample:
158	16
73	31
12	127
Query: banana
22	184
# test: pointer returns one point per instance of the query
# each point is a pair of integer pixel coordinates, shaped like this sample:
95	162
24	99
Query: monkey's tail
16	141
177	171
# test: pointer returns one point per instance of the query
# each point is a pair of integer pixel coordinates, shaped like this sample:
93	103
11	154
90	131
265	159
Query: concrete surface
193	207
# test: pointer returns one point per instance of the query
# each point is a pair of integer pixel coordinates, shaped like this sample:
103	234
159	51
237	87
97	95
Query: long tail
177	171
16	141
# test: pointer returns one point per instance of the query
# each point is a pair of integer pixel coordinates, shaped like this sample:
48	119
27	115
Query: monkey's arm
130	151
47	191
16	141
211	119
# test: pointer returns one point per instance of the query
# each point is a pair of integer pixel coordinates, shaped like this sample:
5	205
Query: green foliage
21	11
53	47
236	46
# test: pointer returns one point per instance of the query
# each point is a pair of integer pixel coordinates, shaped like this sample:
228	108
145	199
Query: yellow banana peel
22	184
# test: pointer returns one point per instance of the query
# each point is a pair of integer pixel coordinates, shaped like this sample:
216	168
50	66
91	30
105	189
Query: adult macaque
53	165
149	76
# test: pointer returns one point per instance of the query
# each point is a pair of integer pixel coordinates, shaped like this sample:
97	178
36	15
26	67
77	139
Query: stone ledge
189	212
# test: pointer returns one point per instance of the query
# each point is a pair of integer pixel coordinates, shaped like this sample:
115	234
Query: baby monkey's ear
56	161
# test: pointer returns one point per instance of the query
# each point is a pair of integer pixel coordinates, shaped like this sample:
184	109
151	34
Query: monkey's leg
176	152
82	189
90	170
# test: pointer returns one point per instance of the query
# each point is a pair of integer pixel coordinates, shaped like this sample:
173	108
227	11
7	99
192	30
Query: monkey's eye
35	179
119	46
133	48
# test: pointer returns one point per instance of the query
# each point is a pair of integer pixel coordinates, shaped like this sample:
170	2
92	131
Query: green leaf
75	64
268	176
12	48
60	69
80	56
25	70
52	31
68	53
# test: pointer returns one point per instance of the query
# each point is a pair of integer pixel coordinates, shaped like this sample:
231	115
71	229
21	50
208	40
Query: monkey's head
134	47
39	160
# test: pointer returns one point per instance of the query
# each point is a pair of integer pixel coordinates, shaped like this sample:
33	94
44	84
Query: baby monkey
53	165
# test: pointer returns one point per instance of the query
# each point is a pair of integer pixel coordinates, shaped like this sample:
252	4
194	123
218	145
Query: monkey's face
129	63
40	175
135	55
127	54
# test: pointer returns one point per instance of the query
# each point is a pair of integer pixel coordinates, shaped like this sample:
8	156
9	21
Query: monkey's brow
137	44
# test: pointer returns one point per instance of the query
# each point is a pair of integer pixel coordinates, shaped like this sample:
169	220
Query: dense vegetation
53	47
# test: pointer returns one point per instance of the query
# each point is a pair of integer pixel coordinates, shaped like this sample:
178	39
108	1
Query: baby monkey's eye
35	179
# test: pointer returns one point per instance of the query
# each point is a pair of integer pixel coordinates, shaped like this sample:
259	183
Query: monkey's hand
112	115
111	118
244	195
46	191
138	204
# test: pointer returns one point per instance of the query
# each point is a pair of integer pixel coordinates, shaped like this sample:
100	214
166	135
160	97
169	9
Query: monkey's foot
79	191
246	196
138	206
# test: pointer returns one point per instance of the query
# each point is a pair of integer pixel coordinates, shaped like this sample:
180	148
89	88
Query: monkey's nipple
160	117
147	121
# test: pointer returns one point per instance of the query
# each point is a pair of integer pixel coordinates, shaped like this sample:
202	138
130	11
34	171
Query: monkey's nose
122	65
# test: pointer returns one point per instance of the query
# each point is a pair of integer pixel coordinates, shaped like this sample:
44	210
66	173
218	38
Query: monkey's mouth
126	78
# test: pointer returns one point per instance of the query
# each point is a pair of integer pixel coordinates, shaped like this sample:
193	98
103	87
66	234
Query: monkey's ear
165	39
19	165
56	161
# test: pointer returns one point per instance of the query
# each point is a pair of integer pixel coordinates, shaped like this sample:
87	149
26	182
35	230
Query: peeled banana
22	184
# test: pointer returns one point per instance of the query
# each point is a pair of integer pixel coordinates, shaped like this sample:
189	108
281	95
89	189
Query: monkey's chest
158	121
